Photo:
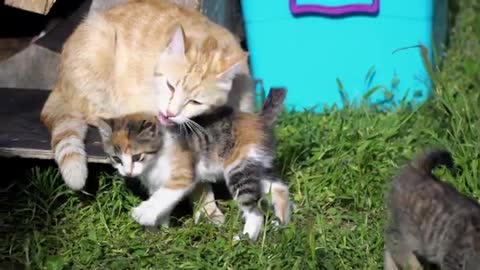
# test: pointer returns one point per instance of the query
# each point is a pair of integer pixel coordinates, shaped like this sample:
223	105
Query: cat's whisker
198	127
194	132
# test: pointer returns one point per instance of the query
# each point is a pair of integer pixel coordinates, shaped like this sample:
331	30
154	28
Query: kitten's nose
170	114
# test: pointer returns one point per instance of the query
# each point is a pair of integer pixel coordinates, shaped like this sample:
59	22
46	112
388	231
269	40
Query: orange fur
249	133
182	172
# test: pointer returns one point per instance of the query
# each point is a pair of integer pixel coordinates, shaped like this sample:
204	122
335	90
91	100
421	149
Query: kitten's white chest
160	172
208	171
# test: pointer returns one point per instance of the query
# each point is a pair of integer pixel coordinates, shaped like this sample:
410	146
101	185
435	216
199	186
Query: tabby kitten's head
192	79
131	142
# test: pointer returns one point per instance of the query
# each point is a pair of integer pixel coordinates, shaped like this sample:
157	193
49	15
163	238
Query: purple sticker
297	9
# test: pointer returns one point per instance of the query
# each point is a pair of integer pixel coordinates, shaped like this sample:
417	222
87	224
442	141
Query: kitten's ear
105	127
148	129
238	66
176	46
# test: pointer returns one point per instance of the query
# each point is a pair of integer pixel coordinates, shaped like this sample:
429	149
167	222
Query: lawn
337	165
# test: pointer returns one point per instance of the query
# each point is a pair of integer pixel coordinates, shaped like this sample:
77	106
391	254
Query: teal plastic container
352	41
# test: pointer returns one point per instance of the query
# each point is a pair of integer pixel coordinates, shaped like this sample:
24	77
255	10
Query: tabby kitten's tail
426	162
68	132
273	106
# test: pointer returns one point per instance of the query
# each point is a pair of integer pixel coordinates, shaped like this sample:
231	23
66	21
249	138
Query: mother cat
150	56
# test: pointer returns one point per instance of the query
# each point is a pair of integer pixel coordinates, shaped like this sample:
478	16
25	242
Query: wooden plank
23	135
37	6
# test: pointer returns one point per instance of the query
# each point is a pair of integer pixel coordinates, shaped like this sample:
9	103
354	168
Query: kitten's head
131	142
192	79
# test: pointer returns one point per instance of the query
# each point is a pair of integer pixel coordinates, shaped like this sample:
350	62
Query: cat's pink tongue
164	120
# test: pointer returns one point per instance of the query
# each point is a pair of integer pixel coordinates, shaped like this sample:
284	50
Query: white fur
208	170
160	204
254	221
128	167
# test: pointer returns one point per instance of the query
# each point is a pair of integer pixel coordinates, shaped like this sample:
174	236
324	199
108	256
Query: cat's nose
170	114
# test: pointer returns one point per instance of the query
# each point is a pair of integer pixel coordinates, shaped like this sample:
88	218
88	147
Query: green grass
337	165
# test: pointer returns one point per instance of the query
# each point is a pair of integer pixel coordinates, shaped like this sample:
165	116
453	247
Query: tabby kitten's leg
280	198
204	197
243	181
389	262
399	252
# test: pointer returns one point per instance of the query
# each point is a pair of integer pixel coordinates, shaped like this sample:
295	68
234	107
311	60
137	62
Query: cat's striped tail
68	130
433	158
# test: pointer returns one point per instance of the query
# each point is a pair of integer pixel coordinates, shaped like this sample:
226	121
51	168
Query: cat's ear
235	67
105	127
176	46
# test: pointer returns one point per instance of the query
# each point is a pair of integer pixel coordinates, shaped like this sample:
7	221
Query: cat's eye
138	157
117	159
195	102
170	87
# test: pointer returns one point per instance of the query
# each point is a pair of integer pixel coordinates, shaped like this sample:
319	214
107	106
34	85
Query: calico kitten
431	220
141	56
138	147
224	145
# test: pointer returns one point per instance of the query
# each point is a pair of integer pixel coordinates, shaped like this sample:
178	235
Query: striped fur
430	219
125	59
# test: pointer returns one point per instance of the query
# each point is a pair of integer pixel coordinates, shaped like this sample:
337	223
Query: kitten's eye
117	159
194	102
138	157
170	87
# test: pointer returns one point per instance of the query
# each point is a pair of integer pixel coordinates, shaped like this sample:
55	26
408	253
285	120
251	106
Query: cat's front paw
145	214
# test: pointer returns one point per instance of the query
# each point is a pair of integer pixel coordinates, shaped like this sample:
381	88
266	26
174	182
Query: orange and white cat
150	56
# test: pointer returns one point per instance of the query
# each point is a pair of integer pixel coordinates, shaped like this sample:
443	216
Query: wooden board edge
11	152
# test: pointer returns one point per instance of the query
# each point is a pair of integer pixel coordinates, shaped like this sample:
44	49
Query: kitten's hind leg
205	198
398	255
243	181
280	199
389	262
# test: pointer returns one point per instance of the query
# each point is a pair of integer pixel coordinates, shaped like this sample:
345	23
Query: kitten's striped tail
68	132
433	158
273	105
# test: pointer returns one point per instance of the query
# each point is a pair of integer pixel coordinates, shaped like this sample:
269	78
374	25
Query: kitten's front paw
145	214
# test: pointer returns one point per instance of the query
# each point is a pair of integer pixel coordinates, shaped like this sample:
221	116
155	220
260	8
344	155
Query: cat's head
192	79
131	142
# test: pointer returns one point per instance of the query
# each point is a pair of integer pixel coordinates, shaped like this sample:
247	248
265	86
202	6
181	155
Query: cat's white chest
208	171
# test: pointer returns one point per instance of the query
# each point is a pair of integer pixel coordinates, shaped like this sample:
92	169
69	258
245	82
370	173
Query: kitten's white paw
275	223
145	214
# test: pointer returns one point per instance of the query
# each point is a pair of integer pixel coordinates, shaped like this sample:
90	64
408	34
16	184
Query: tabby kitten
132	58
223	145
431	220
